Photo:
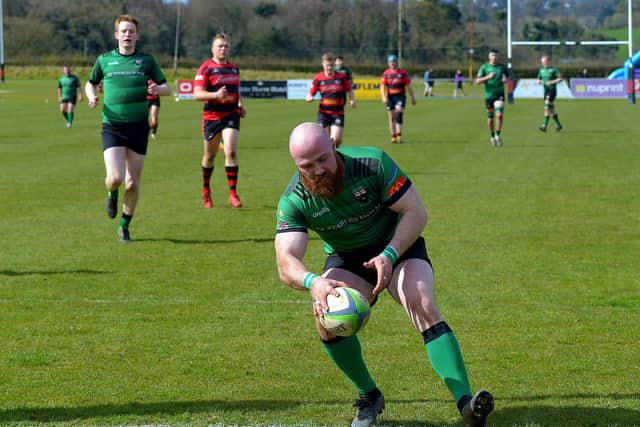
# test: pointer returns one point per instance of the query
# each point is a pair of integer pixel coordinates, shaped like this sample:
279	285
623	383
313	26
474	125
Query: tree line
294	33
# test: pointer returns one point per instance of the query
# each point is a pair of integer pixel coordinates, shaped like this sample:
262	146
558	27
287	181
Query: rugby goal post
1	43
629	68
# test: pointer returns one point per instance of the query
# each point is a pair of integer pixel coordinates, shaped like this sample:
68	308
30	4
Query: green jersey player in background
339	67
370	216
68	93
549	76
493	76
128	76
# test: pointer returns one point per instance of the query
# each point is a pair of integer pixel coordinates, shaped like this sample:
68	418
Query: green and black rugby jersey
493	87
69	86
358	216
125	85
546	74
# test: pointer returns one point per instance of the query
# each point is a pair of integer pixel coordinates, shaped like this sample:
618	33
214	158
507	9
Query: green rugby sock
346	353
556	119
446	359
70	118
112	194
546	121
125	220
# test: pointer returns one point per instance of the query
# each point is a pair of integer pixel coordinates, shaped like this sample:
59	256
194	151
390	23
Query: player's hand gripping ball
348	313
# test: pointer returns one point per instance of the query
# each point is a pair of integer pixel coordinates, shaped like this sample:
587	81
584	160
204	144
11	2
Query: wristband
308	279
391	253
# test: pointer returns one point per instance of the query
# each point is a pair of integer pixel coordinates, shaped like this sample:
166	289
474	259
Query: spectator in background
429	82
458	78
511	84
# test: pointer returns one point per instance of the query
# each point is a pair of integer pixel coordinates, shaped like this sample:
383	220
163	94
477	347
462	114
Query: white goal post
629	69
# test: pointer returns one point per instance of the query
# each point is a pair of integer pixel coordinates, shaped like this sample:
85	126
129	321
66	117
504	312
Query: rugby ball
348	312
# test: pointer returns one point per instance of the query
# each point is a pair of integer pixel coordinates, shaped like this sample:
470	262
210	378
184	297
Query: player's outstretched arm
290	249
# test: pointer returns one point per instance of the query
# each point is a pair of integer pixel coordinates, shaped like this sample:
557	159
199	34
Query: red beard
327	185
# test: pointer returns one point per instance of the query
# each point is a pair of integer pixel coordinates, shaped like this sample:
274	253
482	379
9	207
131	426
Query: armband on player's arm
308	279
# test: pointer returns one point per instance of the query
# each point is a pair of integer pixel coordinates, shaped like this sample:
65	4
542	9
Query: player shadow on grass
214	242
206	241
11	273
524	415
438	141
148	410
565	415
544	415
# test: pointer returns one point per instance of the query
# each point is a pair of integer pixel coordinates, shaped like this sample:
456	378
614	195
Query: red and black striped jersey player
217	83
334	87
394	85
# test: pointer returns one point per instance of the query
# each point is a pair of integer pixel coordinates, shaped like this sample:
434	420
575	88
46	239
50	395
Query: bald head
314	154
308	140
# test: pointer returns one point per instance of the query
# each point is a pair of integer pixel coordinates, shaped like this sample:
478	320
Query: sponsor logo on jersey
227	80
321	212
397	185
113	63
138	61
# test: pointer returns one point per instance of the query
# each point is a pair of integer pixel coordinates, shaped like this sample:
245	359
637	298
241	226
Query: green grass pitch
536	248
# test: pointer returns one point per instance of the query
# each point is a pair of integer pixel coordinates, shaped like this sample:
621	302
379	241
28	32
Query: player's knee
113	181
132	185
209	157
231	155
